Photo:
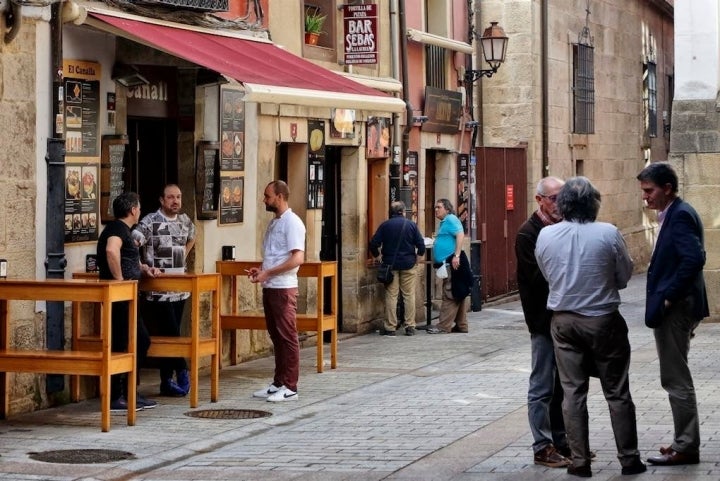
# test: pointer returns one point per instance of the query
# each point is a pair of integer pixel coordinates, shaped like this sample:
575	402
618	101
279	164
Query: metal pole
55	261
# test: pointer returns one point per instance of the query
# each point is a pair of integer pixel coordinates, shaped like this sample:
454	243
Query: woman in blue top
448	244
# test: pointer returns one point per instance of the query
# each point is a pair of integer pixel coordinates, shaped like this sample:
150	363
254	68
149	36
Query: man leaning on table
118	258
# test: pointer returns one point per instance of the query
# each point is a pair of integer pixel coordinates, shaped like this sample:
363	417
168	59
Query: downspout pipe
55	261
395	66
545	166
405	144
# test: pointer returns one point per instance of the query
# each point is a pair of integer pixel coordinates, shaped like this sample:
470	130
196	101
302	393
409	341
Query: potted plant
313	27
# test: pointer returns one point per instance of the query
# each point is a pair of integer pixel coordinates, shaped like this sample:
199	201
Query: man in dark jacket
401	244
545	394
676	302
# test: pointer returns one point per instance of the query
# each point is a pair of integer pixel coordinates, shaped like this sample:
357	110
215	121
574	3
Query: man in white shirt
283	253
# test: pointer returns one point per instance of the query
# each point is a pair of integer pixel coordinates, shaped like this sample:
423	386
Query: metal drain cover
81	456
228	414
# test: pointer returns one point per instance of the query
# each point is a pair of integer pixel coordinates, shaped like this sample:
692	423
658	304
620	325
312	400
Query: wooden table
100	362
318	321
193	346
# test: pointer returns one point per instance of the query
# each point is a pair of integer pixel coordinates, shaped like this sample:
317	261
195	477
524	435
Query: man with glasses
545	394
448	249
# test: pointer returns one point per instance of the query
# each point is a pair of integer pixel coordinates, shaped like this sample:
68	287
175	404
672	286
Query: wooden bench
318	321
101	362
193	346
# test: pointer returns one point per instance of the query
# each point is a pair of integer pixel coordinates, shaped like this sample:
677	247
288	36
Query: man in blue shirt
447	248
401	244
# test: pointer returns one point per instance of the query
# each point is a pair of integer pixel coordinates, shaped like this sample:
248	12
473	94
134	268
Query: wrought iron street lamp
494	45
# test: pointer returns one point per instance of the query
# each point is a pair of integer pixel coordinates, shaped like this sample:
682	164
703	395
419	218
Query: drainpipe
405	145
545	166
55	261
395	66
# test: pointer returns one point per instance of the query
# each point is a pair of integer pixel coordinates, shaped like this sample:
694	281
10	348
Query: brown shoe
670	457
550	457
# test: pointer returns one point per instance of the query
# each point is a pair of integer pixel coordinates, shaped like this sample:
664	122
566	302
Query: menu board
232	130
112	173
207	163
81	202
81	110
232	156
316	164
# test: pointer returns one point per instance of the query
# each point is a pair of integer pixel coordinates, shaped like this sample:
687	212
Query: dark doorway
331	235
151	158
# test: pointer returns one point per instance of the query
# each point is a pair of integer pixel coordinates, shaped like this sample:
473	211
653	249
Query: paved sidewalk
428	407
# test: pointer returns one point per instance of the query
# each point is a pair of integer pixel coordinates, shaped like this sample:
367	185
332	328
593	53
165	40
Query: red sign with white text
361	34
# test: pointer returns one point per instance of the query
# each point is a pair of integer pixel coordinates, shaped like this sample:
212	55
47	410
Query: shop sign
360	34
443	109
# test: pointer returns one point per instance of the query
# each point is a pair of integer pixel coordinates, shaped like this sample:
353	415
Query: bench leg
233	347
214	377
320	351
104	403
333	349
194	373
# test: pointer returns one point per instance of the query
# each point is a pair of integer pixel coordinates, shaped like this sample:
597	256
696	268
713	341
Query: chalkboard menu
207	185
112	173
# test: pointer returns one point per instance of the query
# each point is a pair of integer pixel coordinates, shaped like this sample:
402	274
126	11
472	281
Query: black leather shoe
636	467
581	471
670	457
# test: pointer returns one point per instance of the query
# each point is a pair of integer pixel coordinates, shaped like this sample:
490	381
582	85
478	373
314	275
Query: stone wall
695	153
18	193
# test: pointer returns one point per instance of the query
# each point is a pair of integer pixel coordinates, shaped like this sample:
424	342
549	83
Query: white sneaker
265	392
283	394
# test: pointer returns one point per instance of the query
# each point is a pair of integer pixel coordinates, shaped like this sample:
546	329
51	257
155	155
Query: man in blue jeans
545	394
401	244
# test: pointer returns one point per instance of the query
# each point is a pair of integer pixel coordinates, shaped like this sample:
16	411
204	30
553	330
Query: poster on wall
342	125
232	191
410	180
378	138
232	130
81	86
80	115
81	202
463	190
316	164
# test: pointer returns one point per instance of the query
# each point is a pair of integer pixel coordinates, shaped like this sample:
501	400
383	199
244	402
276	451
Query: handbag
384	272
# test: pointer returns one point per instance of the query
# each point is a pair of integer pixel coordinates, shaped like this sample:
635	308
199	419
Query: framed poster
207	179
232	130
232	190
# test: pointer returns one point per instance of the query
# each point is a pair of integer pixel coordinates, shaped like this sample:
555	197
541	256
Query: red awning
254	62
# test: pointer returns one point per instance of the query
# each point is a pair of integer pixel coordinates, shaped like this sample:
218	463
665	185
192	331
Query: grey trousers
672	339
584	344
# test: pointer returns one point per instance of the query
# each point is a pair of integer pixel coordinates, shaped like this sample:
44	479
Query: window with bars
435	66
650	98
583	89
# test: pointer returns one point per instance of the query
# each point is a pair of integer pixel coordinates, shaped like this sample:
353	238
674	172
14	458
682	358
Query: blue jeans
545	396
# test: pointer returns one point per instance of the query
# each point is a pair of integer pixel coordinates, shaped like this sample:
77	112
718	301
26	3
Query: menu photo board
232	129
81	107
207	182
81	202
112	173
232	190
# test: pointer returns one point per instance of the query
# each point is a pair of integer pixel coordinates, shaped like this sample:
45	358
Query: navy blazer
676	266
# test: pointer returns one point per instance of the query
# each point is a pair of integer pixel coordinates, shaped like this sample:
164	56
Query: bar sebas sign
361	34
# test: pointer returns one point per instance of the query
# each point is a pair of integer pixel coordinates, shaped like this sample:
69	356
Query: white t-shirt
283	235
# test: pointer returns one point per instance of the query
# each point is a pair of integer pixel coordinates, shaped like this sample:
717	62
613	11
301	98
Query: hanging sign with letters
361	34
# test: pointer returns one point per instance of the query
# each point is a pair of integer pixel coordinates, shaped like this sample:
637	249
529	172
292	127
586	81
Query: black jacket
533	287
461	279
408	246
676	268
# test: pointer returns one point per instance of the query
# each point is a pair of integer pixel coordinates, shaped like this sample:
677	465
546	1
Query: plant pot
311	38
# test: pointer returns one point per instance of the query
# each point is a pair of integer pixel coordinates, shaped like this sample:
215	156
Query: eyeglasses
551	198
